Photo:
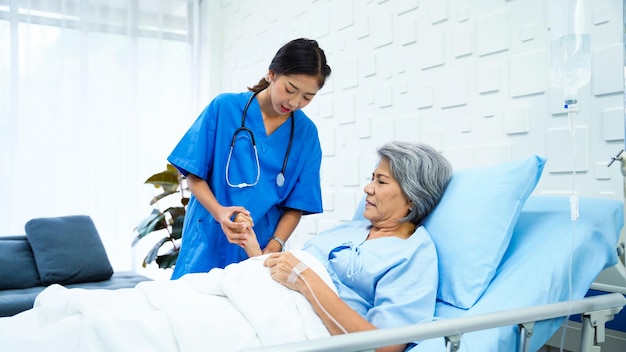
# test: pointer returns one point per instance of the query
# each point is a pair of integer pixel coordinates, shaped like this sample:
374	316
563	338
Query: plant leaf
154	222
167	179
168	259
162	195
177	227
154	251
170	167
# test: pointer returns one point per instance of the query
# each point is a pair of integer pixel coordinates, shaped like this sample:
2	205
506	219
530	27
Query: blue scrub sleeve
194	152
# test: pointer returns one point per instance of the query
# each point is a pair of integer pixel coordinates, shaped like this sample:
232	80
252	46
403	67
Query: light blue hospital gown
203	151
389	281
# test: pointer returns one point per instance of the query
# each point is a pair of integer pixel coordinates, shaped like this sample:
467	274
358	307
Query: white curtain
94	94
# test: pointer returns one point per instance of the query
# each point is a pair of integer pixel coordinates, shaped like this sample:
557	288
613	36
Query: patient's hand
249	243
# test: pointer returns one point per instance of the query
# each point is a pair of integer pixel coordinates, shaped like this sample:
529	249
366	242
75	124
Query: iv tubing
318	302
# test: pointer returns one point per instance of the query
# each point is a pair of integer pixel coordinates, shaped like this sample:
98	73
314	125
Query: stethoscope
280	178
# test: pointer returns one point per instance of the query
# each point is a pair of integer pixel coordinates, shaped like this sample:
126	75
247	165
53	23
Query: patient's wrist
296	271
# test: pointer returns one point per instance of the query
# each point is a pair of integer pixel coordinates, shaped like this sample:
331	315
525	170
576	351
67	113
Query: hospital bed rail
595	311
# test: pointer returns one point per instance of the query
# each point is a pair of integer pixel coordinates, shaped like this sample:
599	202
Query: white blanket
224	310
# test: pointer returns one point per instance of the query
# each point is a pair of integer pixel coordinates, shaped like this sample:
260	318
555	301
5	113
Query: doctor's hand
233	230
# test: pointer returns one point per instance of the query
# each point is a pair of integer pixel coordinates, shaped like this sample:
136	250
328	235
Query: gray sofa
62	250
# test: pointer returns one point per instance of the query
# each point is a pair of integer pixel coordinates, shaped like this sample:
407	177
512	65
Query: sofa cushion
17	264
68	250
15	301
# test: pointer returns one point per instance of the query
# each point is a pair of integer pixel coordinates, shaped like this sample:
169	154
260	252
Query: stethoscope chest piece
280	179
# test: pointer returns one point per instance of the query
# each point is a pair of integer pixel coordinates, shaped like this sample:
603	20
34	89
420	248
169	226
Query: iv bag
570	46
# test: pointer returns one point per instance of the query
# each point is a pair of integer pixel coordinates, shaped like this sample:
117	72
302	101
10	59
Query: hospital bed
542	268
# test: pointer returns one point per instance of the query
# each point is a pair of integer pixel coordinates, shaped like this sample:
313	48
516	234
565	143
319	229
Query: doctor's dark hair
299	56
422	172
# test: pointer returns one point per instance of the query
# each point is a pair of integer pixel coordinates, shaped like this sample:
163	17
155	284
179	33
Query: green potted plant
169	221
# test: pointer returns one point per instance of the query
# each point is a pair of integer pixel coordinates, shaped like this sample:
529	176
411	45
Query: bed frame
596	311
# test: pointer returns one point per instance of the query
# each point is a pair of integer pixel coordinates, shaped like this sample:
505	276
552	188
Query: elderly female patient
384	269
380	273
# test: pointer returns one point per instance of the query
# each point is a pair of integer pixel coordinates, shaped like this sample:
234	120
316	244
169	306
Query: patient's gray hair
422	172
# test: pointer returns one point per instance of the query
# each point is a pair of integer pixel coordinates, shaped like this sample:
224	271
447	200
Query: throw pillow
68	250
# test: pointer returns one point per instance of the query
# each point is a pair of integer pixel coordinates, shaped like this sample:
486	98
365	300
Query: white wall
470	77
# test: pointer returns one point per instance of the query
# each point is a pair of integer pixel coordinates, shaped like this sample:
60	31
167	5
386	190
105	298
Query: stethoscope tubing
280	178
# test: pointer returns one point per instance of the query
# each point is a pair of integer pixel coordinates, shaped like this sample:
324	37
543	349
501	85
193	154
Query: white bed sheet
224	310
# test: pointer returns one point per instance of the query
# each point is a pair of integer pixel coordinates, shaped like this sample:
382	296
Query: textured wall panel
492	33
601	171
561	147
432	48
367	65
527	74
438	11
402	6
488	78
612	122
462	13
362	24
490	154
327	141
382	29
363	128
406	128
345	205
462	43
343	14
424	95
451	89
434	137
349	171
405	30
328	201
321	26
462	157
384	96
347	74
605	62
517	119
344	108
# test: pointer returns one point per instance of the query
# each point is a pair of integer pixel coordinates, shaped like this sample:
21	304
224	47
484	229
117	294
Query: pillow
17	264
473	223
68	250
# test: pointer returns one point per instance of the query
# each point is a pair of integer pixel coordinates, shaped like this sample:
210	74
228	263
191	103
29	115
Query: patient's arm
335	313
250	243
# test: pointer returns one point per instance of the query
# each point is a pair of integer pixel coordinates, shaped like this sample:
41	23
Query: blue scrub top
389	281
203	151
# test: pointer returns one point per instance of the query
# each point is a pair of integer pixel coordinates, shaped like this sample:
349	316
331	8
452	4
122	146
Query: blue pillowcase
473	223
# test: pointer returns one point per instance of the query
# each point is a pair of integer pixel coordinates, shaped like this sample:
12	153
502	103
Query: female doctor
254	153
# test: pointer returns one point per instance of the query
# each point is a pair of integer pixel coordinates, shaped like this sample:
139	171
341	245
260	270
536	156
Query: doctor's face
292	92
385	201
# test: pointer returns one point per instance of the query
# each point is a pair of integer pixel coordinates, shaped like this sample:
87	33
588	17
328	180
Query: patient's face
385	201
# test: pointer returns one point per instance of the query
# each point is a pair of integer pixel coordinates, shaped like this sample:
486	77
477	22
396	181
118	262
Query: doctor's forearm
203	194
286	225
